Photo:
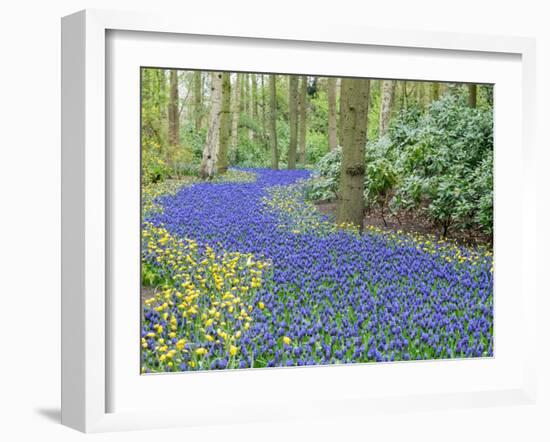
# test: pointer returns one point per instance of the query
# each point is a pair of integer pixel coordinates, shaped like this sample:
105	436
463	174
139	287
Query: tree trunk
163	110
419	93
197	99
264	123
225	123
250	98
303	121
243	93
254	97
340	113
332	115
404	95
292	120
386	104
435	91
173	113
245	104
472	95
210	152
355	104
273	121
235	117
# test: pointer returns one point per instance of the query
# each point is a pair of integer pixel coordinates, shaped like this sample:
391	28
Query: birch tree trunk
303	121
355	106
386	104
332	114
235	117
292	120
273	121
197	99
211	146
225	123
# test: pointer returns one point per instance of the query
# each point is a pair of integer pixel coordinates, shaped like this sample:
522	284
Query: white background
30	215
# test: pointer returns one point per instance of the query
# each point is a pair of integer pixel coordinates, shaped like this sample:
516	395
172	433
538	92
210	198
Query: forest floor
411	223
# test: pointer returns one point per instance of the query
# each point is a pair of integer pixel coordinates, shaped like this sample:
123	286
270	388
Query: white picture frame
87	207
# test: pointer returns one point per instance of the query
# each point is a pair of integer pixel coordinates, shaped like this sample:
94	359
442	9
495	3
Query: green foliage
317	118
151	276
325	186
447	156
251	153
193	140
381	174
316	146
437	162
154	169
374	110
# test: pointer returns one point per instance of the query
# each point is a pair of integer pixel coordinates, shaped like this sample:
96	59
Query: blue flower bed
252	275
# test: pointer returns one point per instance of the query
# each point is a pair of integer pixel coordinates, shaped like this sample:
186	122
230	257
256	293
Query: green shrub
438	162
445	160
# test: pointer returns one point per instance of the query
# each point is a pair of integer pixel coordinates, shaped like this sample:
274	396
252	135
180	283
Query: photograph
303	220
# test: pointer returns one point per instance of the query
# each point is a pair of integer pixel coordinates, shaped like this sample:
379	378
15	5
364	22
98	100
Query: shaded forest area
400	155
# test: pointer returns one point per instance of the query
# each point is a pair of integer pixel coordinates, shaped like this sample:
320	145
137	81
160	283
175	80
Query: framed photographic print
291	224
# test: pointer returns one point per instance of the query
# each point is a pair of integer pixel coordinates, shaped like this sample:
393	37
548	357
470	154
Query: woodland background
423	150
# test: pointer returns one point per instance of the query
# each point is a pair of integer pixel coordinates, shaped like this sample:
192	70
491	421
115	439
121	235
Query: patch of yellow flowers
205	303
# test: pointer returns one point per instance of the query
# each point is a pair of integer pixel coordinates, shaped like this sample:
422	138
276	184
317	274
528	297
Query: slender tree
235	117
263	107
472	95
292	119
173	113
426	94
332	113
254	96
420	93
250	95
435	92
386	105
302	104
197	99
211	146
243	93
340	112
225	123
355	106
245	104
273	121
